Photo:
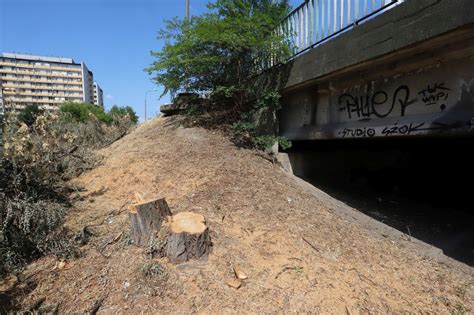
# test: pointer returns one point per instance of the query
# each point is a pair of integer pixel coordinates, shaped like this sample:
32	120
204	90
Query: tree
219	51
82	112
118	112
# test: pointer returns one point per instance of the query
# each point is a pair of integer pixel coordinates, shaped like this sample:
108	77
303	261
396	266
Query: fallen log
188	238
146	218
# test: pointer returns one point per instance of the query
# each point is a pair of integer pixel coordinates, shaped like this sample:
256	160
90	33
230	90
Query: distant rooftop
37	58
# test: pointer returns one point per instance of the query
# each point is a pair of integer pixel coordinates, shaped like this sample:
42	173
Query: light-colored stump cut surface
188	238
188	222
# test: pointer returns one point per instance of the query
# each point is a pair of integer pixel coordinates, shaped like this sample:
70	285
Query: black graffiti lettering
412	128
346	106
433	94
358	105
403	129
402	95
380	98
388	131
432	99
434	88
368	105
406	129
357	132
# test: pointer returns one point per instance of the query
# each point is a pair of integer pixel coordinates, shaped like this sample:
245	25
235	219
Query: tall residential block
98	95
44	81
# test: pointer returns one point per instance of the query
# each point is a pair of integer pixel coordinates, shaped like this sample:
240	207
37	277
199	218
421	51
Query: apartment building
44	81
98	95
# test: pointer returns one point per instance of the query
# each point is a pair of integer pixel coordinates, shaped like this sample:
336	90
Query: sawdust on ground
300	254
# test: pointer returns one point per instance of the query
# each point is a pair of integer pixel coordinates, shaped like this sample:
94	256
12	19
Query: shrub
38	161
253	127
267	141
270	100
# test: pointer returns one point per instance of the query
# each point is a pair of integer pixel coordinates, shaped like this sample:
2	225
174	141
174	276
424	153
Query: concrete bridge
407	71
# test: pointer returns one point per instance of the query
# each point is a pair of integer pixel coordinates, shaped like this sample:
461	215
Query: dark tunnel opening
421	186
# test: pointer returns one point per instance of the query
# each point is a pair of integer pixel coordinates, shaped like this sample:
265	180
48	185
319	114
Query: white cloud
109	97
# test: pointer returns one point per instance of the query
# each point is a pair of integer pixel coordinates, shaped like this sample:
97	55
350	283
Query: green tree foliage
83	112
219	51
118	112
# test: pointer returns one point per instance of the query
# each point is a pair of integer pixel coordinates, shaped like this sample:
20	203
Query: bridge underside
401	88
424	88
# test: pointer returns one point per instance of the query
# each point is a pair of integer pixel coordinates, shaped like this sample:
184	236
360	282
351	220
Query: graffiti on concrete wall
433	100
368	107
379	104
382	103
405	130
437	94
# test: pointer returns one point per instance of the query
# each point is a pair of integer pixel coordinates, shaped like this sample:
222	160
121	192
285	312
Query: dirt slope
260	218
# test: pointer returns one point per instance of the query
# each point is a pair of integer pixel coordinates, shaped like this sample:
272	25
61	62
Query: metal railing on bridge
315	21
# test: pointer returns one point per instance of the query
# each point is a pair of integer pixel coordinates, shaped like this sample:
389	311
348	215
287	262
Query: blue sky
113	37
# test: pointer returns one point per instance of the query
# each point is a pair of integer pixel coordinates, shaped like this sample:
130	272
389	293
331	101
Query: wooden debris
310	244
117	237
146	218
239	273
188	237
234	283
60	264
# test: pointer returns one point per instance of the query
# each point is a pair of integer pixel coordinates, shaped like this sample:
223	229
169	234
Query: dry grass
260	218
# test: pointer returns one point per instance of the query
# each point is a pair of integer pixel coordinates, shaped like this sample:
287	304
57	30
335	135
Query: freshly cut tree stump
146	218
188	237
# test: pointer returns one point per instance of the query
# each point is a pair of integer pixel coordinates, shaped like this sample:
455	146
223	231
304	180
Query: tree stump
188	238
146	218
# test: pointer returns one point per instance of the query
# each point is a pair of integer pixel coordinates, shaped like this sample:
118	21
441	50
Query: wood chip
234	283
60	264
117	237
239	273
139	198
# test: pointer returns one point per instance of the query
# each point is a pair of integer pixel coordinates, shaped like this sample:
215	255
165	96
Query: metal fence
315	21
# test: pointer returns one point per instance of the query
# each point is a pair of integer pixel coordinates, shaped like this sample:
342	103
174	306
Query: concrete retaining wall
434	100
